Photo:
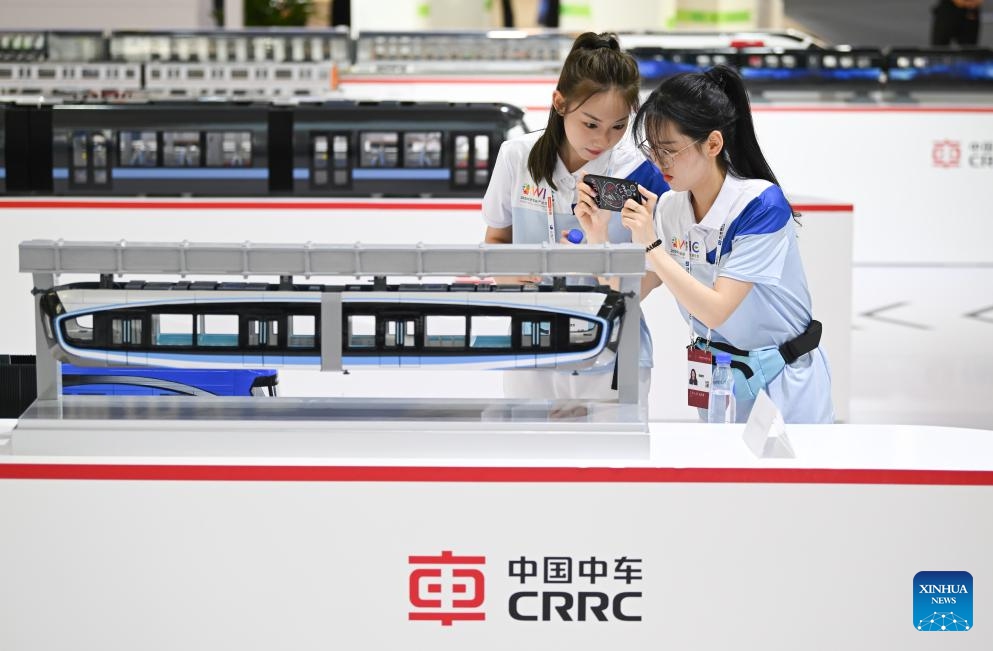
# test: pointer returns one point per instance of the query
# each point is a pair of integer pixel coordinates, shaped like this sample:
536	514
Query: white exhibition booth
147	535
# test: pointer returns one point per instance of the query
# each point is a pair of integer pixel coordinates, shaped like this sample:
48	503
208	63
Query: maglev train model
329	148
237	325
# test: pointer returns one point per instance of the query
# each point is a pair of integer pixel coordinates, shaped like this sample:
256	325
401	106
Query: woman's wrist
598	238
653	245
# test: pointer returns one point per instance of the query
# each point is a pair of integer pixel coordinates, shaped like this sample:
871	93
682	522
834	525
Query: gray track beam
184	258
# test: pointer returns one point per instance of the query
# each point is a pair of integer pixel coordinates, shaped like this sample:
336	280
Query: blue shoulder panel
766	213
650	177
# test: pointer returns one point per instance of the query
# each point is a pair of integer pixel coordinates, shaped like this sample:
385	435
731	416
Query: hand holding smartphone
610	192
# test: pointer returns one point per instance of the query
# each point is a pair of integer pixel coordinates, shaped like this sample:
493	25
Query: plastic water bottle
720	409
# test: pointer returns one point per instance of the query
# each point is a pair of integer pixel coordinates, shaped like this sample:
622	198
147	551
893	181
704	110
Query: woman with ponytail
531	195
724	243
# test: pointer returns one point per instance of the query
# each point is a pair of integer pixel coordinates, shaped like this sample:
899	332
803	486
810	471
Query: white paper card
765	431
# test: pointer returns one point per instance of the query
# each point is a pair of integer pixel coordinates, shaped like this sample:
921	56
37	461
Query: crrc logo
946	153
447	588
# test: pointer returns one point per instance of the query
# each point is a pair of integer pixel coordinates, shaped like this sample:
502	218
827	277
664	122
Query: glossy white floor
922	346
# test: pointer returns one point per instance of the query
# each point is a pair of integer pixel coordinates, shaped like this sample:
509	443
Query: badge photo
699	365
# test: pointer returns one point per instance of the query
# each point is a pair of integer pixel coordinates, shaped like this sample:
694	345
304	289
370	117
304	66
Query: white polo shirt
514	199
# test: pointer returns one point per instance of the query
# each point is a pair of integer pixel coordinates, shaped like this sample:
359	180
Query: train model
327	148
219	325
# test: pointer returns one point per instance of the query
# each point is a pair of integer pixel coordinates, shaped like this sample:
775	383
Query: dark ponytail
697	103
595	64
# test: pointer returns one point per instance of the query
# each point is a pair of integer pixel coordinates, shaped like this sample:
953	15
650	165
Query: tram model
251	325
330	148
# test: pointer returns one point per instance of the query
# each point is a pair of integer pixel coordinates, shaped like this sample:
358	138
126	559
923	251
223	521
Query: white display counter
687	543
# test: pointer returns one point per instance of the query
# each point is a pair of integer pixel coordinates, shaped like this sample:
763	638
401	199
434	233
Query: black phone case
611	193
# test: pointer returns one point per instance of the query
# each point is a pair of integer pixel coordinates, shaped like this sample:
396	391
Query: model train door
536	341
262	343
401	338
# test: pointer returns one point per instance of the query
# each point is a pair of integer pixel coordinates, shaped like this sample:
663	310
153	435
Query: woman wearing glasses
724	243
531	196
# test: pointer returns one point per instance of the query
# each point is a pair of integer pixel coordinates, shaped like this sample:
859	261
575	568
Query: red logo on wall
446	588
946	153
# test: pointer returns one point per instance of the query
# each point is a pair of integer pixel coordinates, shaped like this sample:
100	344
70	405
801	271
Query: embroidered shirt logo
533	195
678	246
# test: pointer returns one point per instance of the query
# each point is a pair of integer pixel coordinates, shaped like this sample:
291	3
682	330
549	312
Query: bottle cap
575	236
723	358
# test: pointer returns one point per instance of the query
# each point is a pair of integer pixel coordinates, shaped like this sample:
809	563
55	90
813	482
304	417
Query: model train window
400	333
461	160
481	158
361	331
536	334
301	331
340	150
229	149
80	155
139	148
263	333
217	330
126	331
422	149
181	148
319	161
329	151
489	331
582	332
444	331
172	329
379	149
79	330
89	158
101	157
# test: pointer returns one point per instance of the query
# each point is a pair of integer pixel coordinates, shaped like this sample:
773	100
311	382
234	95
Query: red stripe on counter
844	109
823	207
262	204
872	109
181	204
345	80
389	474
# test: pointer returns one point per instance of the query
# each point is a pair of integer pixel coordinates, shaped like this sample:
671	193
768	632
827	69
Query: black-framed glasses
663	157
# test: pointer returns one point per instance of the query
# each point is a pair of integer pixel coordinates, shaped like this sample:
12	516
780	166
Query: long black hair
697	103
595	64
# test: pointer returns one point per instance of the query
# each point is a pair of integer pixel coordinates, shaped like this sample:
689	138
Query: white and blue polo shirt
759	247
514	199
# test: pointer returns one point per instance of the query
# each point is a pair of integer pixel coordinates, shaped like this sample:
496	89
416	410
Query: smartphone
611	193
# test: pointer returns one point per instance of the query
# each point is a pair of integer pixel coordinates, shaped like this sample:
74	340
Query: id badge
698	374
